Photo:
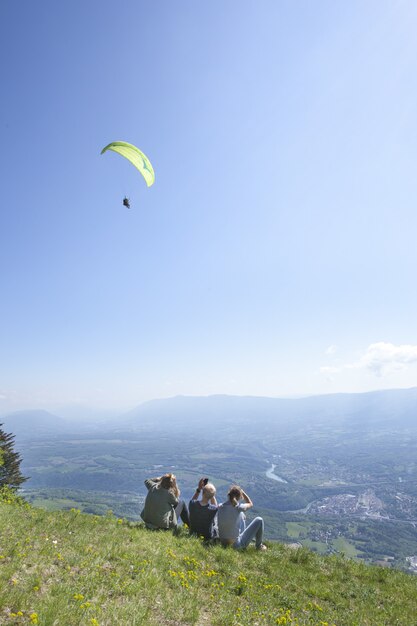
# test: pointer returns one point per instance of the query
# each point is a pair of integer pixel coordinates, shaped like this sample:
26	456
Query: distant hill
34	423
397	407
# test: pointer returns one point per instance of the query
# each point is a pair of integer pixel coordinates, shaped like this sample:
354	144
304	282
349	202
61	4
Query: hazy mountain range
389	408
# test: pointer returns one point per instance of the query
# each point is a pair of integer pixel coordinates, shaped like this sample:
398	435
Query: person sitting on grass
232	521
163	504
203	512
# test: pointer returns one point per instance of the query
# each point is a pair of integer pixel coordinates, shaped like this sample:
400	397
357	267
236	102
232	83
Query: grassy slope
67	568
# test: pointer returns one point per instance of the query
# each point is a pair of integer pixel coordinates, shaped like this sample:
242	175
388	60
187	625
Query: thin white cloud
379	358
383	357
331	350
329	370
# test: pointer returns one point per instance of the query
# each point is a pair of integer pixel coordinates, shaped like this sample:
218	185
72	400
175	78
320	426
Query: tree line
11	476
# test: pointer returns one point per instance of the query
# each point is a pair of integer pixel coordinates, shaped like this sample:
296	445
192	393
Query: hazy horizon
81	411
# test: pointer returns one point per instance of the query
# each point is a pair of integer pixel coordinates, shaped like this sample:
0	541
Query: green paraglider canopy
136	157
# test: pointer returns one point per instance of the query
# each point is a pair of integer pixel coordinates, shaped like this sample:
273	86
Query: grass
67	568
296	529
342	545
317	546
53	505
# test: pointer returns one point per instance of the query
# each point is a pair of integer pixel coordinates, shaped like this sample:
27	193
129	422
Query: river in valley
270	474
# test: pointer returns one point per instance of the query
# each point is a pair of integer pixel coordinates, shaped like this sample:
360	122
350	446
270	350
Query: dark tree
10	474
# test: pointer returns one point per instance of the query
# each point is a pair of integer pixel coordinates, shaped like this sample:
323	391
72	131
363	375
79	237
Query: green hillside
68	568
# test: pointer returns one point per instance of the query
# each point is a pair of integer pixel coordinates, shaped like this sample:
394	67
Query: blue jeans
255	529
182	512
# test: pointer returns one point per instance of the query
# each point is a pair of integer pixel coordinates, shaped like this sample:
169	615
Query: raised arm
198	489
247	501
151	482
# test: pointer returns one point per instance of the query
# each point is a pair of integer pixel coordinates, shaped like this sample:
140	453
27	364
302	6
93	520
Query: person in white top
232	521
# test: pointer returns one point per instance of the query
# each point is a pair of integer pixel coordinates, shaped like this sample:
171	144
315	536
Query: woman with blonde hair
232	521
163	504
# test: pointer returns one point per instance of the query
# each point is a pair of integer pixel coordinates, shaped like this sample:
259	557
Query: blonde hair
234	495
169	481
209	490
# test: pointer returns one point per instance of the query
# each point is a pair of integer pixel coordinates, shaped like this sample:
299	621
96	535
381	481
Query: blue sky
275	254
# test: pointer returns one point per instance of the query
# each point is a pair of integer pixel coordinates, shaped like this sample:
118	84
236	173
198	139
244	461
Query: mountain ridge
385	405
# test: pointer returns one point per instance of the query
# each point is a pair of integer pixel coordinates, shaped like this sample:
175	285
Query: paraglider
136	157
